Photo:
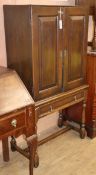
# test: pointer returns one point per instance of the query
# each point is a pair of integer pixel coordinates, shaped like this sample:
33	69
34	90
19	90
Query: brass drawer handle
30	113
14	123
51	108
75	98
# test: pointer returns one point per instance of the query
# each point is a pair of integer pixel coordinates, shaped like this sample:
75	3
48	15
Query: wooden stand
68	122
17	117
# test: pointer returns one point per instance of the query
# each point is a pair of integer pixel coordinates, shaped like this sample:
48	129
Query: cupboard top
54	2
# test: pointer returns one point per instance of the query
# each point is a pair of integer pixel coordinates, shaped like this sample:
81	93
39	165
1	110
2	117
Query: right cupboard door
75	45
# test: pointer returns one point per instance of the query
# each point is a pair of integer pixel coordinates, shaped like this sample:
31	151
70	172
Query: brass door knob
14	123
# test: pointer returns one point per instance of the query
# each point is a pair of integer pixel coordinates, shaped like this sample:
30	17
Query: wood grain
13	94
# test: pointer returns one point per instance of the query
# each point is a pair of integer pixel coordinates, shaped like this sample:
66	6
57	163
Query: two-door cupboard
46	45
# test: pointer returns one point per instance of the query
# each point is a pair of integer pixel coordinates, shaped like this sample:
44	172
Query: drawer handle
14	123
30	113
51	108
75	98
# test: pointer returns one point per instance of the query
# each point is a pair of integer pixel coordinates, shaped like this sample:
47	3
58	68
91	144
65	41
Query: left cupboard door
46	51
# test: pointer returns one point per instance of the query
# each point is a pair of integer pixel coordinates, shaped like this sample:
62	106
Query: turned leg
5	149
60	119
65	116
33	156
82	126
13	144
36	160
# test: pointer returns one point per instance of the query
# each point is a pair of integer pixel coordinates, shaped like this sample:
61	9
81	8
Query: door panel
76	44
48	52
46	49
75	47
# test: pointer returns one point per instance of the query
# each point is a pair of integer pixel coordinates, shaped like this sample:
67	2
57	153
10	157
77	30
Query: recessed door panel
76	35
76	45
46	52
48	38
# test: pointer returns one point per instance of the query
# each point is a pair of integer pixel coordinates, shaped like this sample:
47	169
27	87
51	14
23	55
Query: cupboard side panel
19	41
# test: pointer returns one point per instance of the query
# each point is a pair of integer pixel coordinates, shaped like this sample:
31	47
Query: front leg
60	119
5	149
33	156
82	126
13	143
63	117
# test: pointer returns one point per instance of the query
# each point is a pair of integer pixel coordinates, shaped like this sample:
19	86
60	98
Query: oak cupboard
47	49
47	45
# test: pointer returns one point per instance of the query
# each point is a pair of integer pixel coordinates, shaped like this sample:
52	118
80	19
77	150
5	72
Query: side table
17	116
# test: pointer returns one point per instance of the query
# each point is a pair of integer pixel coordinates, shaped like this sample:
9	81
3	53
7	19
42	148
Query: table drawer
12	122
60	103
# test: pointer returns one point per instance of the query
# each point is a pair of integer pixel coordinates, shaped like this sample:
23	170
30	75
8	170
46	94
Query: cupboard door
75	45
46	51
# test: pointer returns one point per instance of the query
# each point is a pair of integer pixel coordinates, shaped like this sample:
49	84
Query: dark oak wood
75	47
52	133
5	149
61	101
60	119
48	60
82	133
44	46
74	112
47	80
88	3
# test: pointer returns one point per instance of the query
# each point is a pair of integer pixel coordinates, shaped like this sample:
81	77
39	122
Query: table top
13	93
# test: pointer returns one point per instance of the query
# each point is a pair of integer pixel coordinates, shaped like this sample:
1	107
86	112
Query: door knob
14	123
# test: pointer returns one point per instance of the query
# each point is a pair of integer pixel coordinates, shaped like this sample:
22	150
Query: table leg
33	156
5	149
60	119
82	127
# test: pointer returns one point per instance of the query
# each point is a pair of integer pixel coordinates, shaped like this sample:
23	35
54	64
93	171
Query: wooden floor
65	155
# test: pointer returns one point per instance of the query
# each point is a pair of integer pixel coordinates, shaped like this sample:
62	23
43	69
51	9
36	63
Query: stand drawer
12	122
60	103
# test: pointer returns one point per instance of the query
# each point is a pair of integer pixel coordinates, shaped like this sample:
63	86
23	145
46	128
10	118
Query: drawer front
12	122
60	103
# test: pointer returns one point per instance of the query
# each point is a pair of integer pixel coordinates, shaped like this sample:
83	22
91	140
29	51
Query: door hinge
65	52
60	21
